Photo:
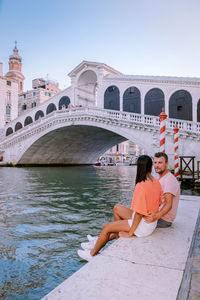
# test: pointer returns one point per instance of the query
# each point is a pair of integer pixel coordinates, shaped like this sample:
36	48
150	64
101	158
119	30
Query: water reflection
45	213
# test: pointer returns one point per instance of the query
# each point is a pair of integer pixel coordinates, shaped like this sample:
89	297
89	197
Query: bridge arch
180	105
85	142
18	126
50	108
87	88
28	121
64	101
39	114
132	100
9	131
154	102
112	98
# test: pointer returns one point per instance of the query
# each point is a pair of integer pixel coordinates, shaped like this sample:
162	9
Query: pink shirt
170	185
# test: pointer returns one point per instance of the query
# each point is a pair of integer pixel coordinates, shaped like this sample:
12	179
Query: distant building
10	86
13	100
124	150
15	67
42	91
8	98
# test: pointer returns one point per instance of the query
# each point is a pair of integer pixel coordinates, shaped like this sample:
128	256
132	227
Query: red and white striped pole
163	118
176	164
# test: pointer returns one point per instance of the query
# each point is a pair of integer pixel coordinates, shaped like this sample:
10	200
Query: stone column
142	103
73	96
166	105
120	100
100	89
194	109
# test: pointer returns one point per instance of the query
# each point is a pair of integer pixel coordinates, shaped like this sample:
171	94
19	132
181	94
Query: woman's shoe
91	238
90	245
85	254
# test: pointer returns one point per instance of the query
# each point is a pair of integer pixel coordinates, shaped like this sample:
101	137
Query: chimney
1	69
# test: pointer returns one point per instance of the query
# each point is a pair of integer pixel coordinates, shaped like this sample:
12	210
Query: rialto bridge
100	109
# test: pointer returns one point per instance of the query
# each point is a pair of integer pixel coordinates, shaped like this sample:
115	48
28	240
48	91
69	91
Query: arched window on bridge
198	111
9	131
64	102
51	107
132	100
154	102
18	126
111	98
180	105
39	114
86	91
28	121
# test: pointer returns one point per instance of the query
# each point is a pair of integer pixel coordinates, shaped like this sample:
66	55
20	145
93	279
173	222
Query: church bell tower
15	67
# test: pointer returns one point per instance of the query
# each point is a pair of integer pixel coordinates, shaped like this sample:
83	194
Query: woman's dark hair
144	166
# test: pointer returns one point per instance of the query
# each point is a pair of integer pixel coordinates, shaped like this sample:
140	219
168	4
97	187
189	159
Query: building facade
96	84
13	100
42	91
15	69
124	151
8	99
114	108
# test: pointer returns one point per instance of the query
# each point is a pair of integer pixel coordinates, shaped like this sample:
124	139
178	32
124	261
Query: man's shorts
163	224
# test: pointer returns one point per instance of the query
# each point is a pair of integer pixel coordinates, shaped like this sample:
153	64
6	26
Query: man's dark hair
144	166
161	154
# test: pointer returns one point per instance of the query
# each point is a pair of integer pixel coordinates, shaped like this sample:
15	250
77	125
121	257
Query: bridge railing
184	125
188	126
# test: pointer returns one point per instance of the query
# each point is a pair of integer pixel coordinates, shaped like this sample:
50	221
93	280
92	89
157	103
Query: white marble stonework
87	118
81	135
136	268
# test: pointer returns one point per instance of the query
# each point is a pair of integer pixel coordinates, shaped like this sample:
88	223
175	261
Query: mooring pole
176	164
163	118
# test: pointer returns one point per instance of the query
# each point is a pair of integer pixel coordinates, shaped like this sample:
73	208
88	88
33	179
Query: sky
143	37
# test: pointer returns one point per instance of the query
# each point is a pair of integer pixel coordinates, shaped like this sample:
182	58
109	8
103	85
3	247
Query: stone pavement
142	268
194	291
190	286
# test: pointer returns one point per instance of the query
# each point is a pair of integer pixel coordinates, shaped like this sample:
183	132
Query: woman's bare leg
121	212
113	236
113	227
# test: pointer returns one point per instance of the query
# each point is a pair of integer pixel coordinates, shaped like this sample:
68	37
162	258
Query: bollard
163	117
176	164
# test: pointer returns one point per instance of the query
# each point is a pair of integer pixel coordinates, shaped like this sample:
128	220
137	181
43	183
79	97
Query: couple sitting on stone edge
154	204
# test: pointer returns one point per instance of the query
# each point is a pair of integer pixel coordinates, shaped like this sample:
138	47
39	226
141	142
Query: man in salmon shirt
170	196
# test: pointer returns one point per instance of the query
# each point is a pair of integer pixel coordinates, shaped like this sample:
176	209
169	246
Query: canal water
45	213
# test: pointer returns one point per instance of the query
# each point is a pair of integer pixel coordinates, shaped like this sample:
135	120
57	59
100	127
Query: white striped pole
163	118
176	164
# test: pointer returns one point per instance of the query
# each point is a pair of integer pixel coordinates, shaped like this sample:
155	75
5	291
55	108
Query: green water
45	213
